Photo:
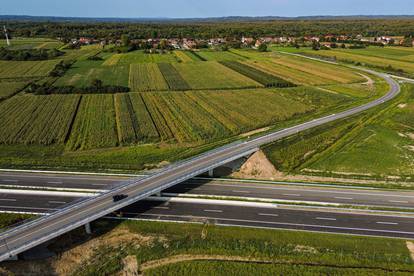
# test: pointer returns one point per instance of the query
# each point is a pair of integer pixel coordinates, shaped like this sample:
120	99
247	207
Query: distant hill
209	19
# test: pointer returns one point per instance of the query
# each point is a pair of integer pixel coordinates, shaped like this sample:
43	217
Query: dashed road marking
213	211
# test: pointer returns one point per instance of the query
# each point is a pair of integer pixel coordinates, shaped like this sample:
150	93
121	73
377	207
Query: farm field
173	78
40	120
31	43
146	77
8	88
333	73
213	75
26	69
95	124
219	56
83	72
140	57
377	145
389	64
261	77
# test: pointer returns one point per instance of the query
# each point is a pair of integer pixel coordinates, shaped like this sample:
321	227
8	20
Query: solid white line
319	218
242	192
213	211
268	215
8	199
387	223
398	201
346	198
57	202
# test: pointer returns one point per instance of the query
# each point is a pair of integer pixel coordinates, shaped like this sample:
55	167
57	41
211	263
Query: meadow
83	72
31	43
26	69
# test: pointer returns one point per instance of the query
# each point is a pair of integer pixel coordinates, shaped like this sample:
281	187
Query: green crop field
331	72
26	69
219	56
213	75
7	88
173	78
184	57
31	43
83	72
141	57
37	119
370	60
262	77
291	74
396	53
95	124
146	77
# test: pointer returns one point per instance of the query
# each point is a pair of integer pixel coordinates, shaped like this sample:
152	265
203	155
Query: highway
237	214
47	227
195	186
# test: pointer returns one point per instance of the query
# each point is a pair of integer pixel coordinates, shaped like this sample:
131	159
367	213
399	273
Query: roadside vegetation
154	248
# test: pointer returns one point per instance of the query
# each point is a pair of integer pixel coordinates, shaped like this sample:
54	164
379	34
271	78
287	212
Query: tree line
205	30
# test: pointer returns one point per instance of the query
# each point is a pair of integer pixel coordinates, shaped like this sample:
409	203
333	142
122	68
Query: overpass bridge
38	231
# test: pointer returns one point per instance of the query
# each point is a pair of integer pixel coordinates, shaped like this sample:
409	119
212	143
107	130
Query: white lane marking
268	187
286	223
387	223
398	201
319	218
161	207
268	215
8	199
241	192
213	211
346	198
55	182
10	180
96	184
57	202
291	194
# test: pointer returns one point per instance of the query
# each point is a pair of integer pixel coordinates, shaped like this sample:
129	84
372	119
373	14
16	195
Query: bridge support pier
211	173
88	228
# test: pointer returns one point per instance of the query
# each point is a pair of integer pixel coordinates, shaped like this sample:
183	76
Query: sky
203	8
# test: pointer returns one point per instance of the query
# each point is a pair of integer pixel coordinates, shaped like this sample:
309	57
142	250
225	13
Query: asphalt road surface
47	227
198	186
275	218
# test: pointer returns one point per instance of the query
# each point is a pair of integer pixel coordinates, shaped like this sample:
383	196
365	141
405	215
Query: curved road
45	228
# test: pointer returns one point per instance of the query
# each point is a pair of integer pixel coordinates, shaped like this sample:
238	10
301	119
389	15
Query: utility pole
7	36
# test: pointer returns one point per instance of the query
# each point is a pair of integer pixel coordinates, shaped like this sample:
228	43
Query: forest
209	29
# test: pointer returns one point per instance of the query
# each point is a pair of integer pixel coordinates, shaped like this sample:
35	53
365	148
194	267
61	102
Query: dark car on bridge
117	198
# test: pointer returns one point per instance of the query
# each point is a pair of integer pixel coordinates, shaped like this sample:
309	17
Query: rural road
45	228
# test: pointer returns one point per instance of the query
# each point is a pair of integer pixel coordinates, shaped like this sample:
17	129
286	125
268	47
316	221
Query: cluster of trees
61	68
194	29
29	54
96	86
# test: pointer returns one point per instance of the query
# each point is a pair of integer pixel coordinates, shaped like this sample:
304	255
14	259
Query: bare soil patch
402	106
259	167
130	266
253	132
68	261
410	246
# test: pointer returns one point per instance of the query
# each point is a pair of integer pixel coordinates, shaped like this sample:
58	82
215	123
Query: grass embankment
177	247
375	145
7	220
